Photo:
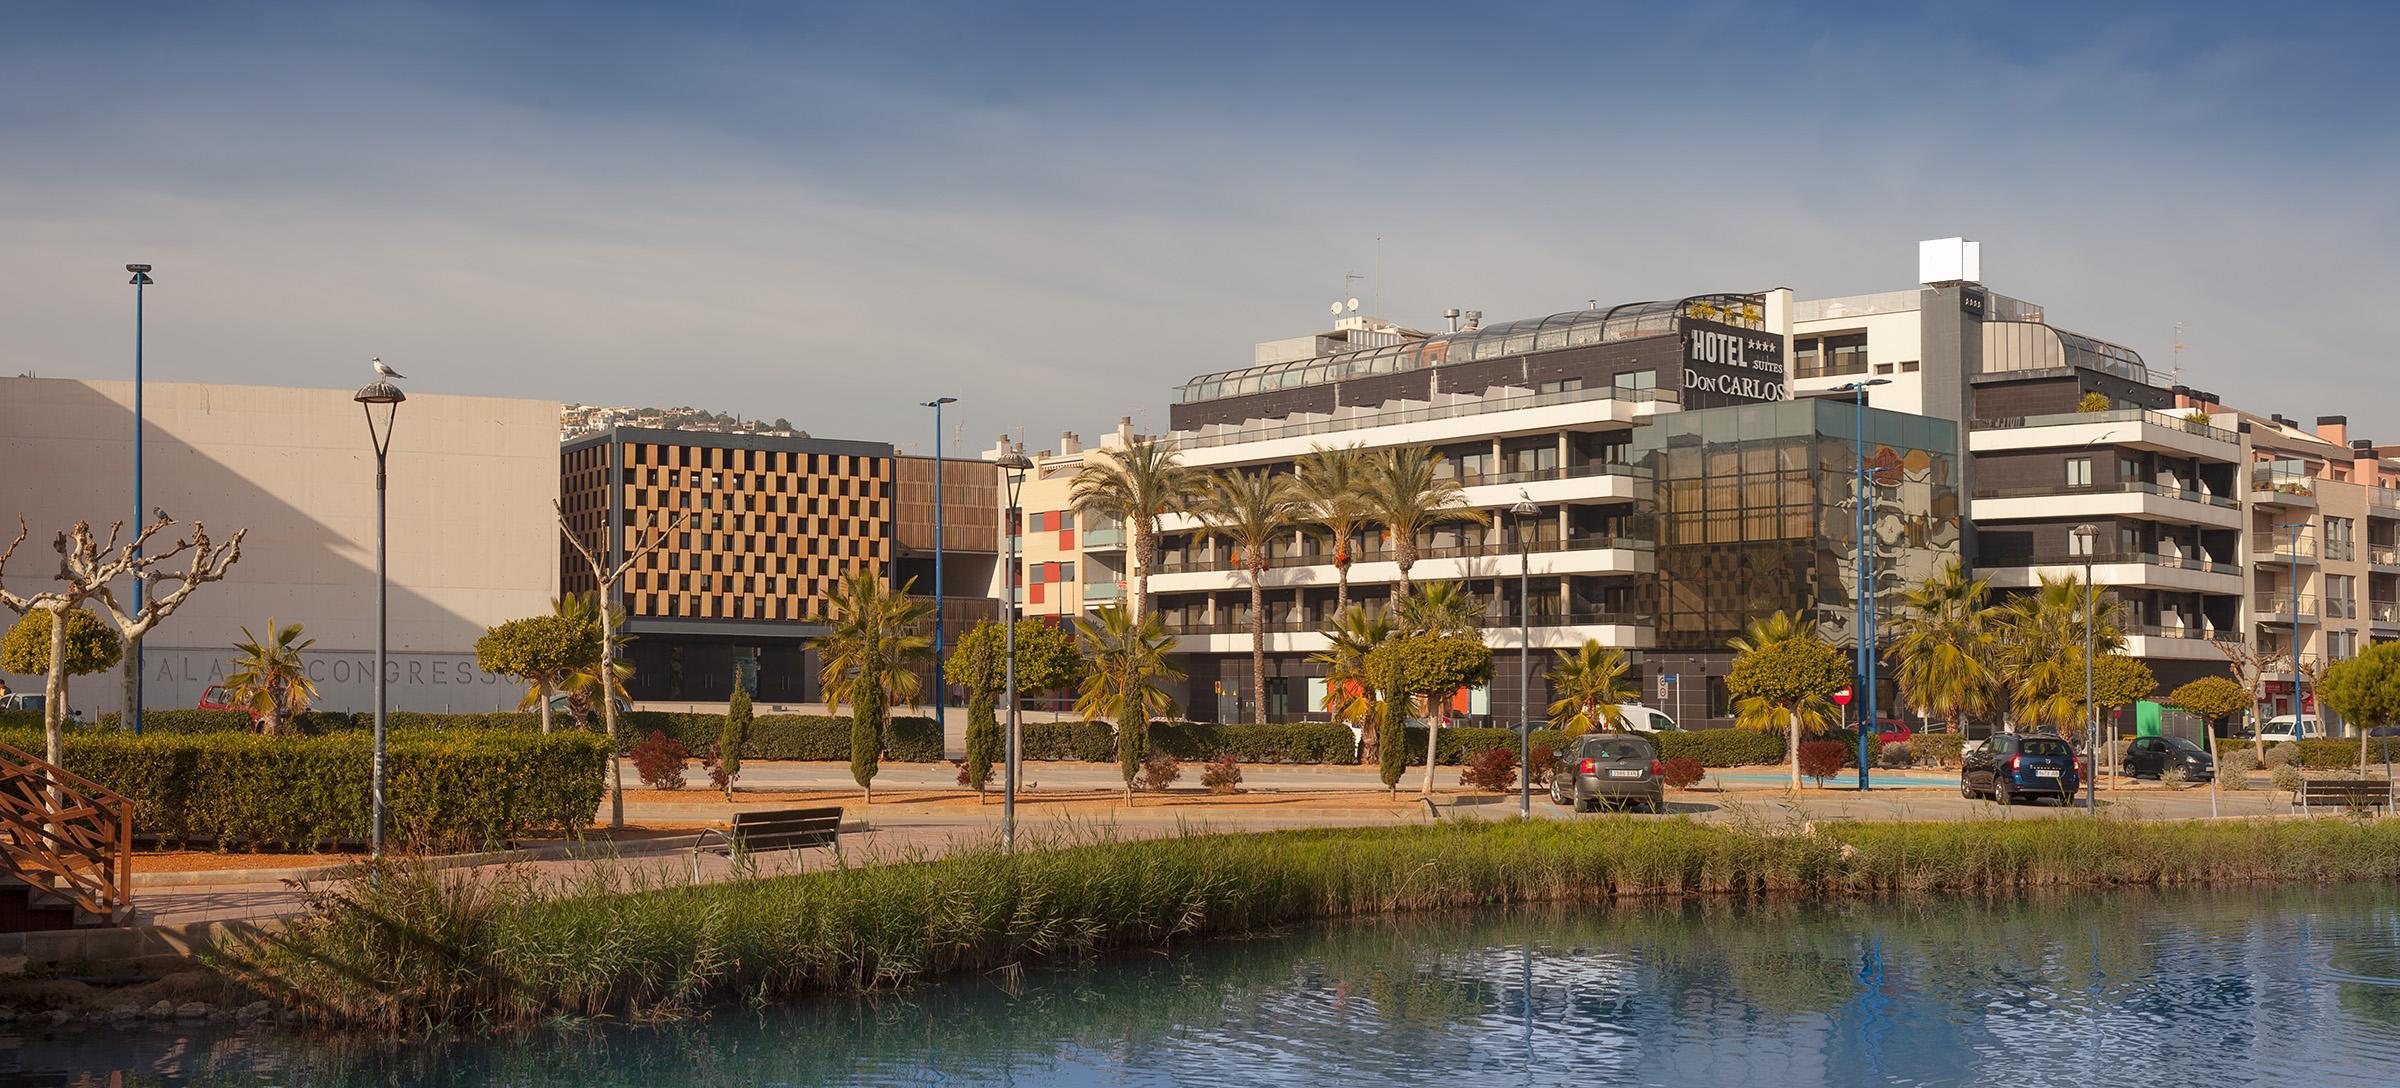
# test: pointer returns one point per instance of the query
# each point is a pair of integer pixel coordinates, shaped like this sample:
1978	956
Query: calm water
2295	987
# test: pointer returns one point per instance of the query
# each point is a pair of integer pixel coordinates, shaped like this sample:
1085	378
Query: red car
1889	730
217	698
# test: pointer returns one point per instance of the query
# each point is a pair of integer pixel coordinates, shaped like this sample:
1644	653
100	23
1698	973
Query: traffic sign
1842	697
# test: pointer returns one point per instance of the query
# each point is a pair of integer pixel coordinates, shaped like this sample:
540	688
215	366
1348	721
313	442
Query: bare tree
88	566
607	578
2250	667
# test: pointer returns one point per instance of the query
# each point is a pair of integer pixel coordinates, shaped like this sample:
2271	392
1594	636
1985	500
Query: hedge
2320	753
1089	742
774	736
1712	747
450	791
1297	742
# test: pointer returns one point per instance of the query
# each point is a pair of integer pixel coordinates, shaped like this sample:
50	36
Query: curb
561	852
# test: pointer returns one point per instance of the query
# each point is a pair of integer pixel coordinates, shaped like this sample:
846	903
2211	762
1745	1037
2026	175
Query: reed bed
413	948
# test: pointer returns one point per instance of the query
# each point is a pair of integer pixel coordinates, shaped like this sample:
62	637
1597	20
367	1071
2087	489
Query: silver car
1618	767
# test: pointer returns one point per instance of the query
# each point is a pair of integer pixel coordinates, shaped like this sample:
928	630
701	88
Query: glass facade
1756	510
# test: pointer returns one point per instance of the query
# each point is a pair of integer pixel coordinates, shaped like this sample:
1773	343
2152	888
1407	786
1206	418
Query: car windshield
2182	745
2046	747
1615	748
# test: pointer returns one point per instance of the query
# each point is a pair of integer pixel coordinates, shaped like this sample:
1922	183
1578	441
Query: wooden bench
781	829
2348	794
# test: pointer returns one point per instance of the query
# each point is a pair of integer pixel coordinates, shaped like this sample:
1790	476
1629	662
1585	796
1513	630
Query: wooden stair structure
66	848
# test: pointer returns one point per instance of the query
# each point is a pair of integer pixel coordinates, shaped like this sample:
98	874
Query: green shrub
2280	756
195	721
1296	742
1938	749
2287	777
2234	762
443	791
2314	753
1088	742
1721	747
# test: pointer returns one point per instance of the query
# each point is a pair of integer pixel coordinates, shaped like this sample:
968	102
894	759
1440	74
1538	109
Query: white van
2280	728
1642	719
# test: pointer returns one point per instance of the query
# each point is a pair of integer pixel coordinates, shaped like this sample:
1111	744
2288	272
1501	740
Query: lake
2287	987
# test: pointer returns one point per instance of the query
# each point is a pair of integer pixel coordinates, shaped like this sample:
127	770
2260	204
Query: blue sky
1057	213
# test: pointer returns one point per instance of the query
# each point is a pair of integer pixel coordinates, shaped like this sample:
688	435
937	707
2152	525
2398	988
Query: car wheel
2004	795
1965	790
1557	796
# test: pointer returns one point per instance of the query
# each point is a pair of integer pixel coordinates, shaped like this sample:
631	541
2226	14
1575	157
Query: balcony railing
1390	417
1111	537
1101	591
2123	415
2282	482
2052	491
2280	604
1571	472
2067	559
2383	555
1538	547
2152	630
2285	547
2384	611
1176	626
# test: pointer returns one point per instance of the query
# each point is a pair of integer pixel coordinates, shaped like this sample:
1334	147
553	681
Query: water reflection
2294	987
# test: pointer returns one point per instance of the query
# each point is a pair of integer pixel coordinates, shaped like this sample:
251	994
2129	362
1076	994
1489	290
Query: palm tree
1945	645
1442	609
1136	485
1331	484
871	641
270	678
584	687
2041	648
1128	662
1764	631
1591	685
1351	635
1407	494
1254	510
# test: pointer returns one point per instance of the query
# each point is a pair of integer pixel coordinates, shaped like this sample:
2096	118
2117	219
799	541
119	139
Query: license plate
2047	772
1624	774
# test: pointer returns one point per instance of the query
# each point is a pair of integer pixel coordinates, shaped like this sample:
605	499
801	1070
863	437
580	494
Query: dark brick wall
2054	392
2017	469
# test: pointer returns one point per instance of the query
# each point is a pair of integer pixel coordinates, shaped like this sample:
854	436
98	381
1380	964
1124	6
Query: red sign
1842	697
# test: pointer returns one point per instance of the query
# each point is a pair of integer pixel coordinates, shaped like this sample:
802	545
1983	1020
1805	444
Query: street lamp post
2090	535
133	691
1015	463
1866	567
380	394
941	688
1522	510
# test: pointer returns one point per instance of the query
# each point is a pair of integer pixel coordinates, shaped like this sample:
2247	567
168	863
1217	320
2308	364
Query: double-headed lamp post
2090	535
941	685
1519	513
1015	464
1866	567
133	692
384	396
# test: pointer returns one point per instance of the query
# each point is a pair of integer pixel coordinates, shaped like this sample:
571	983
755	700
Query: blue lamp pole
1866	568
133	691
941	691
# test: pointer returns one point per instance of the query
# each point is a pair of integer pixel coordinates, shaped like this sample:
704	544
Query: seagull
386	371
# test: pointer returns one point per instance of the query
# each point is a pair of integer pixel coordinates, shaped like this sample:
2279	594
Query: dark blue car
2010	766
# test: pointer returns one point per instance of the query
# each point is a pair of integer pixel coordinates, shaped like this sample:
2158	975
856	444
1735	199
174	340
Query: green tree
1254	510
1331	485
1047	660
542	651
2364	690
1136	485
1128	664
1448	609
1783	678
2041	650
271	678
1590	683
1945	646
1435	667
1408	495
2120	681
2213	698
871	640
87	646
1349	697
736	735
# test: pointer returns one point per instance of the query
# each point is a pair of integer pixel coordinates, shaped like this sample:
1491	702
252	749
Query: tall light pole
2091	714
1518	513
1866	567
133	691
1015	463
2299	711
941	689
381	394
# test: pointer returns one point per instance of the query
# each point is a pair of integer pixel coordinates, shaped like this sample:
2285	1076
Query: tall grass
416	948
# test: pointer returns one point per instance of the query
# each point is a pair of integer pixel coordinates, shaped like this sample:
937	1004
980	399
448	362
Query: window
1908	367
1637	379
2079	472
1567	385
1883	368
1824	356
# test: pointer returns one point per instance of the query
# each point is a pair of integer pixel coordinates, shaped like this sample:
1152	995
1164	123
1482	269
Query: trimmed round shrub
1896	757
2282	755
1682	772
1822	759
2239	761
2287	778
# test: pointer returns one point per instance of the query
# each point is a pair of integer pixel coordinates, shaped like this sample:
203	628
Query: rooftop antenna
2176	356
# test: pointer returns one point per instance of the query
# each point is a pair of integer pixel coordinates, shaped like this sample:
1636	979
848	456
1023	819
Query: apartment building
760	529
1068	563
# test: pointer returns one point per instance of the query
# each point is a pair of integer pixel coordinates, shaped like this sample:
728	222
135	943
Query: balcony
2197	573
2123	498
2274	606
1189	564
2279	487
2181	643
2383	555
1569	472
2283	549
1111	539
1636	402
2384	613
1096	592
1291	634
2134	428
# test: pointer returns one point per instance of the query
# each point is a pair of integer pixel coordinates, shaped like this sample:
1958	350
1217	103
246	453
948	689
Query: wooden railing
66	834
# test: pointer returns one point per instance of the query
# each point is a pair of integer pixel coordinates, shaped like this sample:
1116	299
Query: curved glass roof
1572	329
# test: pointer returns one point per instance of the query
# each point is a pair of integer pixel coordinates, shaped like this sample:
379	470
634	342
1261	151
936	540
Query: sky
1058	213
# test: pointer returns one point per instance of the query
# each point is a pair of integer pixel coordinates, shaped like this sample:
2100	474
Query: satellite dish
1354	305
1335	309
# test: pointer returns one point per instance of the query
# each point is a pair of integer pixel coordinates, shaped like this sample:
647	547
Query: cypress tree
736	735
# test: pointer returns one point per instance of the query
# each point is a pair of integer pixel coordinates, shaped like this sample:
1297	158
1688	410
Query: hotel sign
1728	364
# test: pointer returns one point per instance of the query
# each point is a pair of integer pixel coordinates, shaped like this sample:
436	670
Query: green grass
417	949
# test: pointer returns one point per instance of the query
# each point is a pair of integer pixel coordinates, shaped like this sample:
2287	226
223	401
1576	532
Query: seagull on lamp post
386	371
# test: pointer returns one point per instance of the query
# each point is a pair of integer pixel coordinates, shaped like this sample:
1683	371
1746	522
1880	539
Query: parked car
33	702
1889	730
1642	719
563	704
2010	766
2150	757
2282	727
1618	767
218	698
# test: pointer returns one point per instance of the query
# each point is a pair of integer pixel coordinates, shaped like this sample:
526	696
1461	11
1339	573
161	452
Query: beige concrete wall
472	536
